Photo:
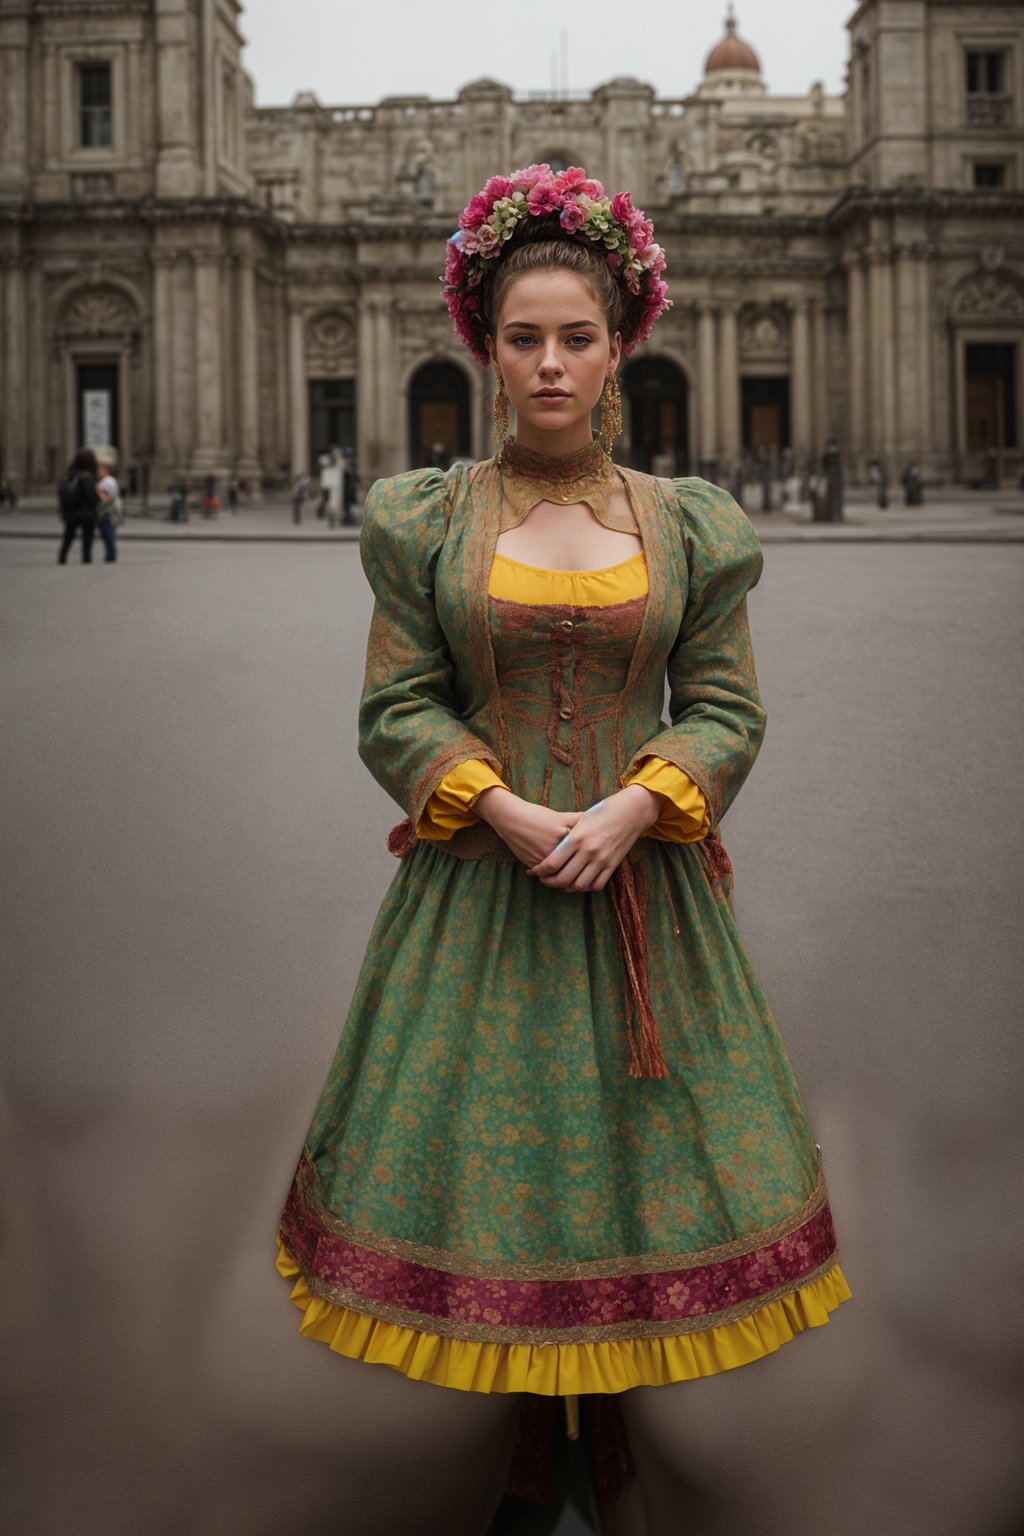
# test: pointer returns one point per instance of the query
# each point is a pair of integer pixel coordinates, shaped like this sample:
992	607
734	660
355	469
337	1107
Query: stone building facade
222	288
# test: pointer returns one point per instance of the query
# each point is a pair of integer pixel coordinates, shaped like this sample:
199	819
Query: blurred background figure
79	504
111	507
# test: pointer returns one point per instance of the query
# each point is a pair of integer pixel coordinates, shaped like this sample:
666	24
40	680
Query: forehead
550	297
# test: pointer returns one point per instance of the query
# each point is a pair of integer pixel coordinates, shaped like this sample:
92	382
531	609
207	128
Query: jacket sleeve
715	707
410	730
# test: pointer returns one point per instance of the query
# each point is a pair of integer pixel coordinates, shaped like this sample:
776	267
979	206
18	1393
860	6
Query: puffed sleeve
410	730
450	807
718	720
684	815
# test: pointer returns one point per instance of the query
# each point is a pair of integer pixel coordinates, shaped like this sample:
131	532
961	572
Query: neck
554	445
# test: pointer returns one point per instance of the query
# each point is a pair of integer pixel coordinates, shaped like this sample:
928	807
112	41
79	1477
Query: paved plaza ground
193	858
949	515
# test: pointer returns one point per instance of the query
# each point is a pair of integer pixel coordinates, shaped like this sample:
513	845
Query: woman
560	1149
79	504
110	511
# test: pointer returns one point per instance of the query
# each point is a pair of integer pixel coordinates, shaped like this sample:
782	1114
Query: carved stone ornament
764	333
330	343
989	296
100	311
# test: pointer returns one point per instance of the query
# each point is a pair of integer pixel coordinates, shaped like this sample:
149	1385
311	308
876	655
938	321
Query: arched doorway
438	416
655	391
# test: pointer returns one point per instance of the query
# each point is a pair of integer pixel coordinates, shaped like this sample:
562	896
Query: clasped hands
570	850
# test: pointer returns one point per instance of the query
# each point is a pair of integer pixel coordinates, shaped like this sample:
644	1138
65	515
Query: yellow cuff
450	807
684	817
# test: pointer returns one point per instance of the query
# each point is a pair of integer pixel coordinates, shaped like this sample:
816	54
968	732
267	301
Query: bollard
766	484
829	505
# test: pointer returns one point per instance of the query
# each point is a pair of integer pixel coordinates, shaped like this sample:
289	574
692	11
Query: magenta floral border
395	1288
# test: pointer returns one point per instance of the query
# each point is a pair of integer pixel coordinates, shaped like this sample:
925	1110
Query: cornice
858	203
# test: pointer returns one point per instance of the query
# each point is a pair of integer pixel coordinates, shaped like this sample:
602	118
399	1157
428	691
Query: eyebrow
570	325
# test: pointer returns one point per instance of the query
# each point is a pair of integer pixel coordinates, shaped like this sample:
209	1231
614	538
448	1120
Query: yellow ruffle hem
563	1370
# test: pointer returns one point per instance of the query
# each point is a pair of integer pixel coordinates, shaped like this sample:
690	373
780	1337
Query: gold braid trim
489	1333
452	1263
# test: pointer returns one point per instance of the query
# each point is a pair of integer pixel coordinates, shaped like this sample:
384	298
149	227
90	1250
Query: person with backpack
79	504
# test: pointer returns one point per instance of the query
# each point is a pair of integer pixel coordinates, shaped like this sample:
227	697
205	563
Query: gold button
565	713
563	498
566	624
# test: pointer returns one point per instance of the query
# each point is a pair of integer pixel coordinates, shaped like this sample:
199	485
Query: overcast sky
348	53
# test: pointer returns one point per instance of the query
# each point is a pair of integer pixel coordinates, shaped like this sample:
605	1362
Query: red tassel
629	903
402	839
715	857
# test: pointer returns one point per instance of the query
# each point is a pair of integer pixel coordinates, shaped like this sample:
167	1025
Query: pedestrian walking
209	502
111	507
79	503
299	497
349	491
560	1149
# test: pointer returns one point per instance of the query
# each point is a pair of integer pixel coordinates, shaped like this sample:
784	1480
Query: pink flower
529	176
614	260
498	186
476	211
544	198
575	179
622	207
489	240
571	217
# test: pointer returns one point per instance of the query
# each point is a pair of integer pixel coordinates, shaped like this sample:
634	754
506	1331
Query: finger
563	878
557	857
586	880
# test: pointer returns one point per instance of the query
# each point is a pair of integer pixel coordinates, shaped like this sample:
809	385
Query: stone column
210	452
391	433
38	363
706	383
248	363
910	387
15	424
820	380
277	294
15	78
368	456
298	391
855	343
800	381
164	438
929	437
729	380
883	387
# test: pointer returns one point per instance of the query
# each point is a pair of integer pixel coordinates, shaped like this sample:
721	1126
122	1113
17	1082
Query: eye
517	339
586	340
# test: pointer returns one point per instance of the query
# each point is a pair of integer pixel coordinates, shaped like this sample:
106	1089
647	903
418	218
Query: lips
550	394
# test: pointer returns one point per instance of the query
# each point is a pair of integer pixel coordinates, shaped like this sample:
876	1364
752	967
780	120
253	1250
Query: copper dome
732	52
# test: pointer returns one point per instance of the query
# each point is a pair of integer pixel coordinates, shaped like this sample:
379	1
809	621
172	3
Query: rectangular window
95	102
985	72
989	103
989	174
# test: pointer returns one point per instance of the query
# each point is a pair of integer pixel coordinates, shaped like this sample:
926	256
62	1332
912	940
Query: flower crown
583	208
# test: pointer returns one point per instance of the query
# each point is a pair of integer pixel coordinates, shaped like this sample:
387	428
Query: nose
550	361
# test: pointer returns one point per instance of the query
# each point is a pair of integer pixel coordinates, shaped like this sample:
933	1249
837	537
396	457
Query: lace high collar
587	463
586	475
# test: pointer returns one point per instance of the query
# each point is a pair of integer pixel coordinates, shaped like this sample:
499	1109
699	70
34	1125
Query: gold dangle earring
501	421
611	412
